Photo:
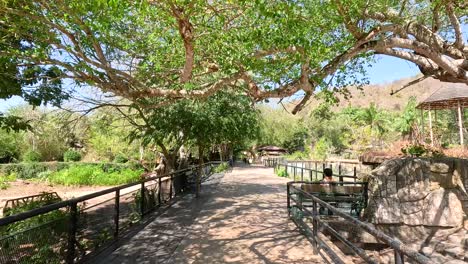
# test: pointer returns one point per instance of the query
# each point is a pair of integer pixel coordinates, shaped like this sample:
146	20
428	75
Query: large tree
172	50
224	118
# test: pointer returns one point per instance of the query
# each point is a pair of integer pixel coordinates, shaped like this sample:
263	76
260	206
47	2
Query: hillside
380	95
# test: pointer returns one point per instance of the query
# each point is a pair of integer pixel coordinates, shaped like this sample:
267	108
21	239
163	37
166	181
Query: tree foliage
173	50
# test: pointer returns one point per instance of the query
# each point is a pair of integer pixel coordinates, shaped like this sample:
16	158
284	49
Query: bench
337	194
44	198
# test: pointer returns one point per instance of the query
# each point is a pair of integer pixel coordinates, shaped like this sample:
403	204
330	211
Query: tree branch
456	25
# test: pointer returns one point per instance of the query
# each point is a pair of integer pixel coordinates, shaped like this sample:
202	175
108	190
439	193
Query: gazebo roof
446	98
271	148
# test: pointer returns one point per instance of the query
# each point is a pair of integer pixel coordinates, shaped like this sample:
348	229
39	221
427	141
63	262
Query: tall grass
92	175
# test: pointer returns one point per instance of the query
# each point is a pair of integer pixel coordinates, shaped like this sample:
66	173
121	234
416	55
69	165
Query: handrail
308	169
392	242
48	208
344	161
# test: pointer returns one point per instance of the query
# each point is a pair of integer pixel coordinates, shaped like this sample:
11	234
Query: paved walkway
240	218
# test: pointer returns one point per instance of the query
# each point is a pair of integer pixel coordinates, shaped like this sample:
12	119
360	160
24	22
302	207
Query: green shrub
298	155
5	181
71	155
24	170
51	228
93	175
221	167
282	172
32	156
120	158
36	169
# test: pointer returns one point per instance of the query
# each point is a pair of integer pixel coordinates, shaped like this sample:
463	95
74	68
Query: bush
120	158
221	167
71	155
38	169
32	156
50	227
5	181
23	170
298	155
282	172
93	175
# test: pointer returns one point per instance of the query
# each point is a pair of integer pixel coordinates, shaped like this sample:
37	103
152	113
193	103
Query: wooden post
142	200
460	123
422	125
314	227
72	228
288	200
117	214
430	127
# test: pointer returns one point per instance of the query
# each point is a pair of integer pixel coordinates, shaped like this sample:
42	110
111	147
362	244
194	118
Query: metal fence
73	230
314	173
307	217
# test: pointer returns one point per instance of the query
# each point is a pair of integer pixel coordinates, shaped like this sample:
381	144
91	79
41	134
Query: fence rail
313	173
303	216
72	230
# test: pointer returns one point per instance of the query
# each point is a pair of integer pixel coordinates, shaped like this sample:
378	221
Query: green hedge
92	175
30	170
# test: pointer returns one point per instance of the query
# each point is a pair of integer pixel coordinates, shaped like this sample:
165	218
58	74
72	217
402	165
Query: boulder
415	191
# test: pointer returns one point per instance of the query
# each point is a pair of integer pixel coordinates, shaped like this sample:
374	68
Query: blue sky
386	69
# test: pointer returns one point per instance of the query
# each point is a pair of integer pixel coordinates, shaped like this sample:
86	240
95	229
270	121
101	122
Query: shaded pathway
240	218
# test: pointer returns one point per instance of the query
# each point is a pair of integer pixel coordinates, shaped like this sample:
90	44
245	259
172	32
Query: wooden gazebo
452	97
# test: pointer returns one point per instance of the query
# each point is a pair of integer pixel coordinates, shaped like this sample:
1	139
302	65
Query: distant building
271	151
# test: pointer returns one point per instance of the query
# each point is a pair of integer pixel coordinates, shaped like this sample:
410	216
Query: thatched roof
446	98
271	148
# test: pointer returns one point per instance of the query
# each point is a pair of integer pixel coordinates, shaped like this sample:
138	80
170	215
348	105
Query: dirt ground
21	188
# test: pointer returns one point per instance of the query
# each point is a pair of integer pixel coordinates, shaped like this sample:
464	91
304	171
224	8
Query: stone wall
424	203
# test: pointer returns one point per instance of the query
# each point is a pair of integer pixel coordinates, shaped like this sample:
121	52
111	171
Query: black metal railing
73	230
313	174
305	214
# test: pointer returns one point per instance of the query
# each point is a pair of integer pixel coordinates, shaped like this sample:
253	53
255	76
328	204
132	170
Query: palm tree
406	122
375	119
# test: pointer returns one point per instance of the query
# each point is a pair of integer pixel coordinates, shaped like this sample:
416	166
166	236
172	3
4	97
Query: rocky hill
381	94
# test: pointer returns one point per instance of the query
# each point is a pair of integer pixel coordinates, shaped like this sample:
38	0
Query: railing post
117	214
314	227
159	191
142	200
72	233
340	177
323	169
355	174
170	186
294	169
302	174
310	174
366	195
316	171
286	168
399	258
288	198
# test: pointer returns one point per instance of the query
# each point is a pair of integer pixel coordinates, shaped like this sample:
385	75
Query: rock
387	211
443	208
456	251
440	168
412	213
455	261
423	203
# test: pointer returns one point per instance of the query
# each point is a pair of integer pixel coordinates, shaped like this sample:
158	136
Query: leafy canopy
174	50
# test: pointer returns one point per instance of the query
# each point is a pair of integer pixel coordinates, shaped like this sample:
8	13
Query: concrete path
240	218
